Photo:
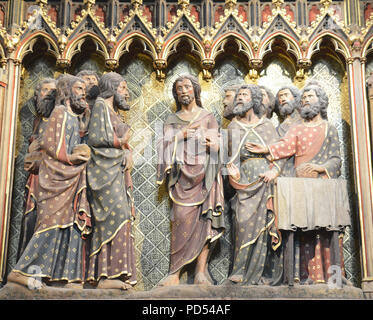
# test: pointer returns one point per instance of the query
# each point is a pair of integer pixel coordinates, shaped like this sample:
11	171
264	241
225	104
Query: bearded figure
63	214
320	220
257	241
91	80
112	255
44	98
188	160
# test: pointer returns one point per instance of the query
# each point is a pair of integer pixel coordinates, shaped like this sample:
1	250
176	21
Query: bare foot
113	284
170	280
201	278
236	278
29	282
73	285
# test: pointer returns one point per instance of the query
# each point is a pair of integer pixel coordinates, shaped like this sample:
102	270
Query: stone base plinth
13	291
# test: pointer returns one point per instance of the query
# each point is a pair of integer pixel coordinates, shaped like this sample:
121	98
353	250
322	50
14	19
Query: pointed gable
280	24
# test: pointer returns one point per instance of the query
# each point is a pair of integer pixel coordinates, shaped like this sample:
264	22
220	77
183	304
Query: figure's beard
78	103
120	102
240	109
309	111
186	100
93	92
287	108
228	112
44	107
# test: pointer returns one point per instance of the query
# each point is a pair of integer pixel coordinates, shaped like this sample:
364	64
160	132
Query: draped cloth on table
110	194
195	187
324	203
256	238
63	215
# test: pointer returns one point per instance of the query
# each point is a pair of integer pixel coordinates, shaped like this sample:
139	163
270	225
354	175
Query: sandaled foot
113	284
170	280
29	282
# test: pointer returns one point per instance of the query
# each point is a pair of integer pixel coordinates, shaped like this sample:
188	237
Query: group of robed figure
77	226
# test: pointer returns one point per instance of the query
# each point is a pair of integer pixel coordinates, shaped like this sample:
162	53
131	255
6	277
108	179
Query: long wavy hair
63	88
109	84
83	73
256	98
40	85
296	94
323	98
196	89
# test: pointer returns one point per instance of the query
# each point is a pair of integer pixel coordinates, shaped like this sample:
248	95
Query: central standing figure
188	160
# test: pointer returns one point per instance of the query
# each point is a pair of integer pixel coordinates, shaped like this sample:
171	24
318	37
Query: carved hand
309	170
34	146
128	162
269	175
256	148
81	153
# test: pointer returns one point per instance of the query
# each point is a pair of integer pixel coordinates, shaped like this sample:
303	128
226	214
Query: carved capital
11	42
304	63
207	65
111	64
351	60
62	63
3	63
160	65
256	63
253	75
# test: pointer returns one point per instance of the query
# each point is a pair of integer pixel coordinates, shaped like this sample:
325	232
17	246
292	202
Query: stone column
370	99
363	165
7	149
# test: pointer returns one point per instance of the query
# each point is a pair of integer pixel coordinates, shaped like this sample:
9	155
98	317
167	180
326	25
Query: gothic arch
169	47
367	46
75	45
340	45
27	44
123	46
291	43
244	46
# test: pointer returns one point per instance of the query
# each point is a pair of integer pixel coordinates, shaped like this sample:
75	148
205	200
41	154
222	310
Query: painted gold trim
258	235
62	134
109	239
42	275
